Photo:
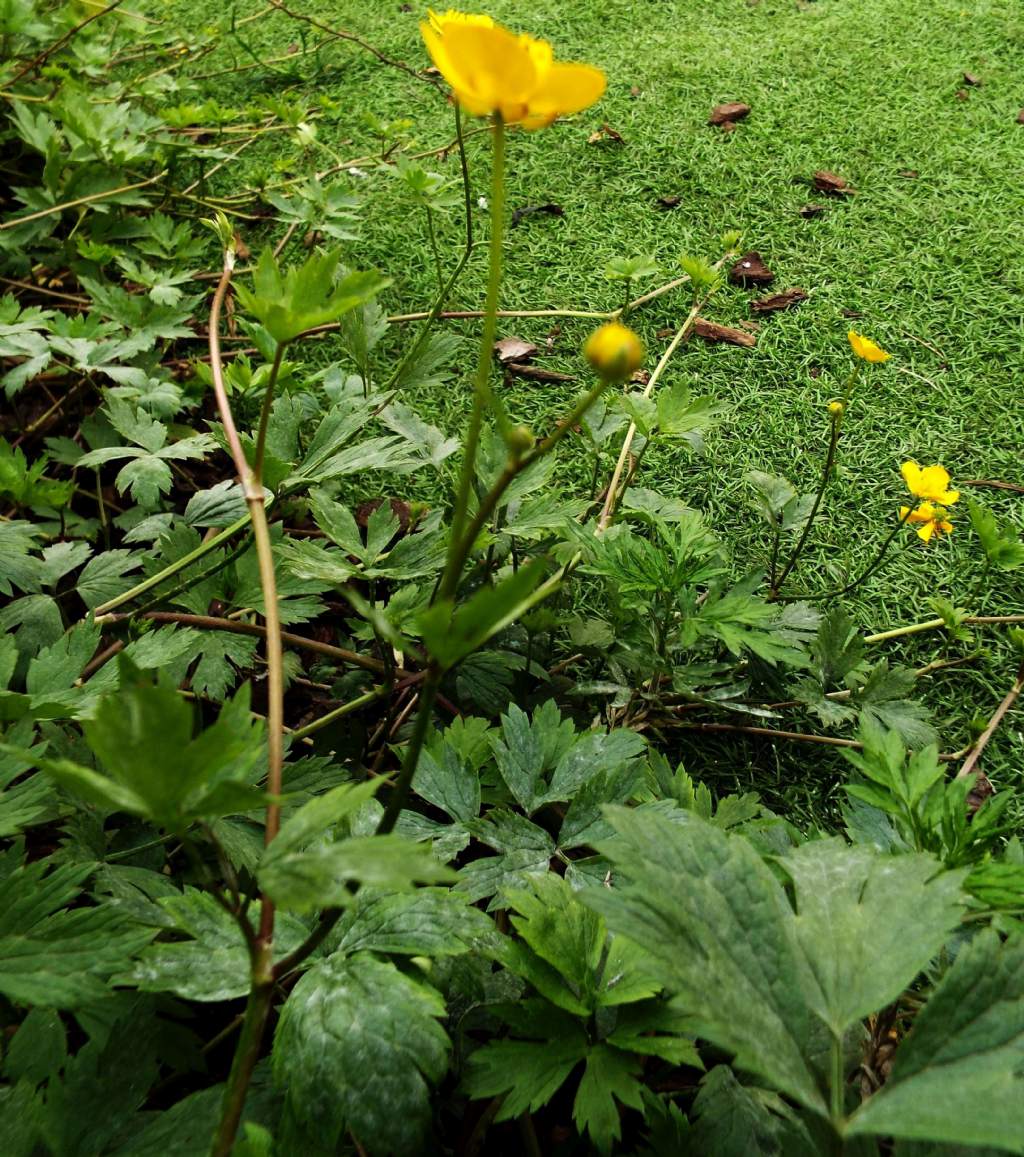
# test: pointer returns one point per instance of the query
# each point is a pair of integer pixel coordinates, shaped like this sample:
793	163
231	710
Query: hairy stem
482	394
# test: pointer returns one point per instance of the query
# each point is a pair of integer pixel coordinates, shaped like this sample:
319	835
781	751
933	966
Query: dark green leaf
357	1048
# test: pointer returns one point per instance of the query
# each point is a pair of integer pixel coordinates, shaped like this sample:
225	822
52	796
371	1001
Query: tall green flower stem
262	947
837	415
483	396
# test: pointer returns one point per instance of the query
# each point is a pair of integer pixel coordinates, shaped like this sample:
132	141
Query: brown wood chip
713	332
724	114
778	301
832	184
751	270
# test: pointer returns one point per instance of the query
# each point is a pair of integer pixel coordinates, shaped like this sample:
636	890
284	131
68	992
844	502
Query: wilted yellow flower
494	70
932	520
929	482
614	351
865	348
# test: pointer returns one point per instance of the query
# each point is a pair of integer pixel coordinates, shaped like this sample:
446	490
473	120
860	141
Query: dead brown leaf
536	373
908	174
640	377
401	510
751	270
812	210
853	314
514	349
779	301
1020	117
671	200
972	79
729	114
713	332
635	91
831	184
981	791
962	94
606	133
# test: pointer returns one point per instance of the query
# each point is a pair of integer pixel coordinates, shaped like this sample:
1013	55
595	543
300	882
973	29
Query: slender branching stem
265	409
340	712
864	575
826	474
615	492
483	396
261	992
938	624
837	416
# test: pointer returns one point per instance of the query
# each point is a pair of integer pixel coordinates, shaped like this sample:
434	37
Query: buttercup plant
303	808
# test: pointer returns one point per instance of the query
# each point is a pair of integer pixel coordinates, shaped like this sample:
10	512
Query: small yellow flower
493	70
614	351
932	520
929	482
836	409
865	348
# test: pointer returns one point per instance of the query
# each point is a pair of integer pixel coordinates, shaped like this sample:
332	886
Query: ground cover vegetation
511	580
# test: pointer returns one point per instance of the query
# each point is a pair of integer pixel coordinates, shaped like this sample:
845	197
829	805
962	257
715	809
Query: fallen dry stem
1009	699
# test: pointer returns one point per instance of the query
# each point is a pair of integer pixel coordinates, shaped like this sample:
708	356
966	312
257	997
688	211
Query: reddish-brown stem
1009	699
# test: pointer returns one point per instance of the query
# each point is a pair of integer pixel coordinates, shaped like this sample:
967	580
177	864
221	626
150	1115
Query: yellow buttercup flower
865	348
932	520
614	351
929	482
495	71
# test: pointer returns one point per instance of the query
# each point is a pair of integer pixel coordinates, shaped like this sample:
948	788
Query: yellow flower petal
865	348
566	89
926	531
490	69
929	482
494	71
912	476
